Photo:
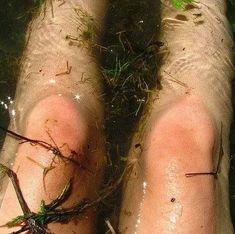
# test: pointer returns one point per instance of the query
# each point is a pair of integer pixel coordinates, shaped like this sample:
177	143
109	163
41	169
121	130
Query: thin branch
221	153
13	177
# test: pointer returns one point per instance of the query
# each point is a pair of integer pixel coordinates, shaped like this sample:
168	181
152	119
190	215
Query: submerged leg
182	131
180	141
58	101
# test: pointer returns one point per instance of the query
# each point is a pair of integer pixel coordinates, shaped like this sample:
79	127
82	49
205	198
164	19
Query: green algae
87	31
180	4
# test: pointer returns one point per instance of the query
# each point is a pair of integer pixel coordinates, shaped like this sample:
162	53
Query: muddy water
128	65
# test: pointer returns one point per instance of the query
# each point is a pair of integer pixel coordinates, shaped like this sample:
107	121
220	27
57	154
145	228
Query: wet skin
180	131
181	134
181	141
71	133
58	101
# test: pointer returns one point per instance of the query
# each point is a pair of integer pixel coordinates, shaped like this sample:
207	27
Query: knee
183	135
57	118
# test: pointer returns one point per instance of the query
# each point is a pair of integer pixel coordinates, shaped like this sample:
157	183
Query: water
130	63
14	18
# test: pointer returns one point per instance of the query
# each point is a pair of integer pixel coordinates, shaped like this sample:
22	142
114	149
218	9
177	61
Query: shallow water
137	65
14	18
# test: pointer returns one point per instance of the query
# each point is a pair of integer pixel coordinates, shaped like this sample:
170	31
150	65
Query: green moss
88	29
180	4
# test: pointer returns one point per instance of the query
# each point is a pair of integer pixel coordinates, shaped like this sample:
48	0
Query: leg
58	102
182	132
180	141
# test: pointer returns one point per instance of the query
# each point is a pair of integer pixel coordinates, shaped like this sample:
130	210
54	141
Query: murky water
128	65
14	18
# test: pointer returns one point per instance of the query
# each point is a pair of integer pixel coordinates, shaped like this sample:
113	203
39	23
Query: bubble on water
13	112
7	103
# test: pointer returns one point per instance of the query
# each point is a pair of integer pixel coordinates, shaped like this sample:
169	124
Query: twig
111	229
13	177
67	72
36	222
29	223
221	153
54	149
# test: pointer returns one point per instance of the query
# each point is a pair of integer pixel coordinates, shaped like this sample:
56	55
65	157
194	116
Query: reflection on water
14	17
138	221
8	106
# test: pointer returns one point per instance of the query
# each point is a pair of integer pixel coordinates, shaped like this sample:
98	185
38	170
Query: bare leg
180	141
58	101
182	131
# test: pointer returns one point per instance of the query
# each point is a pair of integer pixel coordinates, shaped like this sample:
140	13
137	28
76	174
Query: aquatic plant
87	31
129	62
180	4
36	222
48	213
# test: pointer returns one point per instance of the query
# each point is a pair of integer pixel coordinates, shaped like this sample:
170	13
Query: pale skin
168	158
181	134
70	132
64	109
